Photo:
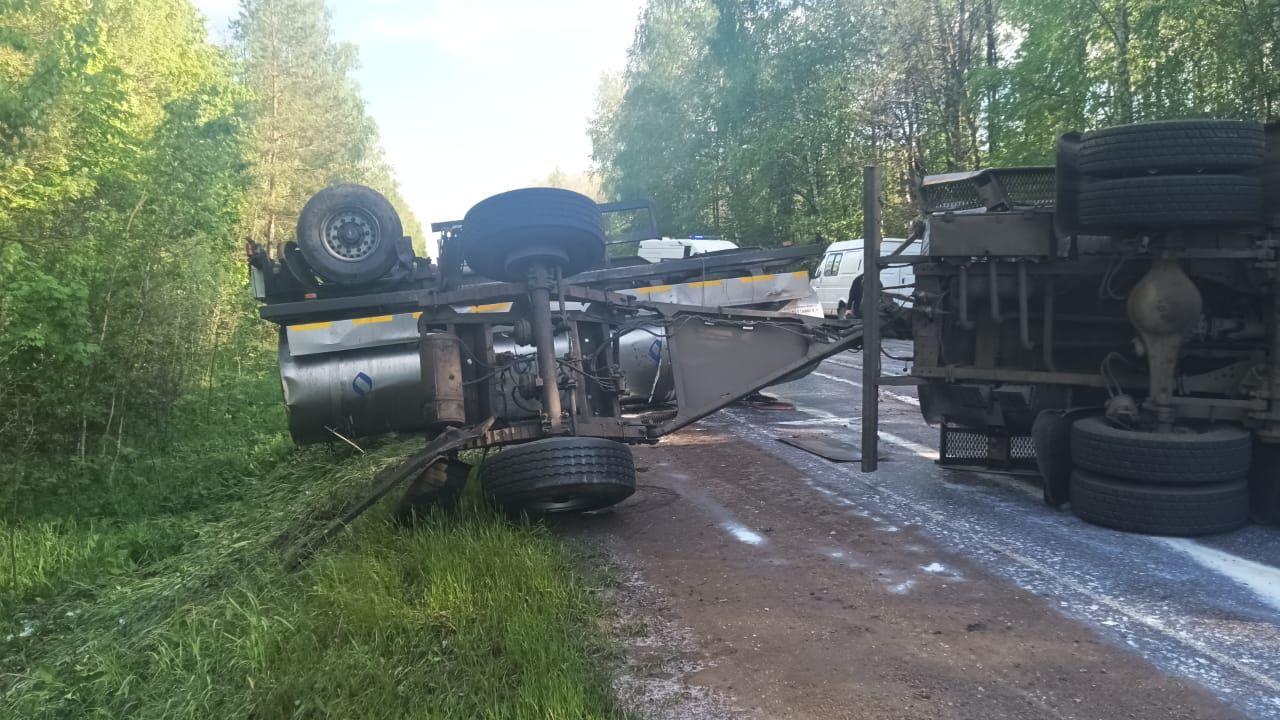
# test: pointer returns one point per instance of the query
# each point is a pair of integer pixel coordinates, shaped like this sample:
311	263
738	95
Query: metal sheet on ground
829	448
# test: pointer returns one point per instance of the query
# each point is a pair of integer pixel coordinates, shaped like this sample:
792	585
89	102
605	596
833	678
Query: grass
160	594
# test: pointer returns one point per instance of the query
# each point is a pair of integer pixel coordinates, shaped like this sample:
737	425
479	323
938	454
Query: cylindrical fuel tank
355	392
646	365
443	404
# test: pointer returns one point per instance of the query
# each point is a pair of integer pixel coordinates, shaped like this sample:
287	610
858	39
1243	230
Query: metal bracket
383	483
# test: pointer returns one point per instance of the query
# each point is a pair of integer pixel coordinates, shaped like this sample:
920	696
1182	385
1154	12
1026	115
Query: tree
308	126
754	118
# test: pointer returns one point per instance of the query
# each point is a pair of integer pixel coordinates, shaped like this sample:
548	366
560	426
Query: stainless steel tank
356	393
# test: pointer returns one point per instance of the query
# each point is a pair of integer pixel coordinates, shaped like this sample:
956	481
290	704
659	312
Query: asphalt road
1203	609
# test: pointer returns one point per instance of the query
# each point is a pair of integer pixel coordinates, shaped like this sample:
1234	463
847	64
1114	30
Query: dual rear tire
1185	484
1163	175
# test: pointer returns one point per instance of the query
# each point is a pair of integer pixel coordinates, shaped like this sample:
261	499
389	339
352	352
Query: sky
475	98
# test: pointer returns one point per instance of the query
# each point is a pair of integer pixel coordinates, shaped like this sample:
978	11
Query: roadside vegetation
150	490
755	119
160	593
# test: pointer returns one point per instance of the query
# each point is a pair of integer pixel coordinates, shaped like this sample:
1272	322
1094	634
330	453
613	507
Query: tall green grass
160	594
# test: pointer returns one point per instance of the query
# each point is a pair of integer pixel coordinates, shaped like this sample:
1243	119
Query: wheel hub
351	235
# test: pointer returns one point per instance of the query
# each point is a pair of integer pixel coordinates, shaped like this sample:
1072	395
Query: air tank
355	393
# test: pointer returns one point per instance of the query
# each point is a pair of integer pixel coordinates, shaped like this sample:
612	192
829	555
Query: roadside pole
870	318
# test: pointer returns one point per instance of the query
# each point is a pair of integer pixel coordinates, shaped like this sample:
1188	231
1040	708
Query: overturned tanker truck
1114	320
523	335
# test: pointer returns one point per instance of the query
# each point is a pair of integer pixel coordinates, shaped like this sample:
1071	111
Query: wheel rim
350	235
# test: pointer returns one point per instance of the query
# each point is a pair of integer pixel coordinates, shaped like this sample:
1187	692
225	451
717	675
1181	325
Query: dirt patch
659	656
796	608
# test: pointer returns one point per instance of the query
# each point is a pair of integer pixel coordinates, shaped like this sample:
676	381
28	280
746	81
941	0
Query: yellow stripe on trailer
491	307
312	326
652	289
372	320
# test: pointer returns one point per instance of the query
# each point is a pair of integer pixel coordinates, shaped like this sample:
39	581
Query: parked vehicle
841	266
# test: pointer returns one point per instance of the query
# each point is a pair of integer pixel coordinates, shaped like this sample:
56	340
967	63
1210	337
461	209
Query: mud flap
1051	434
1264	484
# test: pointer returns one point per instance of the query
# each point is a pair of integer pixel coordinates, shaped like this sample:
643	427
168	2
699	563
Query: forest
753	119
146	473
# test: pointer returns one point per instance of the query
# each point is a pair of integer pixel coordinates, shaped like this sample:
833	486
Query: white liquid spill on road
1262	580
1130	615
822	417
935	568
817	421
923	451
740	532
743	533
896	396
903	587
885	525
1020	484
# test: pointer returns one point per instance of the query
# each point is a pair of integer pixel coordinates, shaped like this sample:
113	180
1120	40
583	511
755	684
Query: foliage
136	159
309	125
754	118
121	183
149	486
164	596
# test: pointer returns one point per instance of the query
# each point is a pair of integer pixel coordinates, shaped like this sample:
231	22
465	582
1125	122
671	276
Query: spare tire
561	474
1217	454
348	234
1159	510
502	235
1176	146
1166	201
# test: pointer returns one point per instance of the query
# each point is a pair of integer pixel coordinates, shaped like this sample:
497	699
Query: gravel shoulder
751	593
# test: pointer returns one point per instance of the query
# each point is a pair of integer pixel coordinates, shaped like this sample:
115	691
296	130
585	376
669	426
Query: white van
842	263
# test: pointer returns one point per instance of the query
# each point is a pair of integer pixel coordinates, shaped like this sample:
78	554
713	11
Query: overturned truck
523	335
1114	320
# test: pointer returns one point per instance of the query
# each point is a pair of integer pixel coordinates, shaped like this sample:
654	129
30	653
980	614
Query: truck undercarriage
525	355
1120	308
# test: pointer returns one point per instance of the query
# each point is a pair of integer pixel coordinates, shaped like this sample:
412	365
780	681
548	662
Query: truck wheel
1159	510
1178	146
439	486
503	234
558	475
348	234
1166	201
1218	454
